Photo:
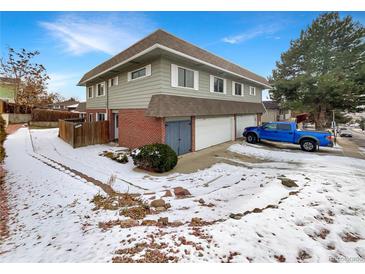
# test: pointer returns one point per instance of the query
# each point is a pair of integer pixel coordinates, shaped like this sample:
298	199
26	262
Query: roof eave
157	45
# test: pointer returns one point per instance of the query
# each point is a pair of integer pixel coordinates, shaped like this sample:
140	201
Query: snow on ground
321	220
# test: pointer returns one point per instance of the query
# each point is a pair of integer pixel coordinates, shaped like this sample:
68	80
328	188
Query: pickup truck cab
287	132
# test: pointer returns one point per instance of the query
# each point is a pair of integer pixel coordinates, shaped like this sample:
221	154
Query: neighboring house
81	109
275	113
8	89
165	90
68	105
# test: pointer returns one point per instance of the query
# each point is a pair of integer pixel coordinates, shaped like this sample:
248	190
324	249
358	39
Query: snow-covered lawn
52	216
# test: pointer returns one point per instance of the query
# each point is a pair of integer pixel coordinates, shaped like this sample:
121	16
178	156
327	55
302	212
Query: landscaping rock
201	201
167	194
236	216
149	222
128	223
287	182
160	208
176	223
181	192
163	220
158	203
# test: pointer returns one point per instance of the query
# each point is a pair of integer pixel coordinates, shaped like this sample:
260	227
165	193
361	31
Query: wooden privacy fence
79	134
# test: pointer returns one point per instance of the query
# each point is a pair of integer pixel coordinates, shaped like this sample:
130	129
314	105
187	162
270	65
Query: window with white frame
100	89
90	92
184	77
113	82
139	73
90	117
218	84
237	89
252	91
100	117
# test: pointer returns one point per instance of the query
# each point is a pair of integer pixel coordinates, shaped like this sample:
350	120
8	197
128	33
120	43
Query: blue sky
71	43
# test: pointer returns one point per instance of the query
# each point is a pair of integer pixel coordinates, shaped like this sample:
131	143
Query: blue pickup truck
287	132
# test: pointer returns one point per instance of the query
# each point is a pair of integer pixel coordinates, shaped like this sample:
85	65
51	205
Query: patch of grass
120	157
136	213
115	202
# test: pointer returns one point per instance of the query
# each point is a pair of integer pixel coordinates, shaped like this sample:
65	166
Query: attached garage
242	121
212	121
210	131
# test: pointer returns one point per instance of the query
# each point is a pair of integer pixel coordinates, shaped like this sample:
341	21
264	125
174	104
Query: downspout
107	100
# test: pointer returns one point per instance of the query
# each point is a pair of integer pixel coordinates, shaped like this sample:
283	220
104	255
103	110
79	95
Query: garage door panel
243	121
213	130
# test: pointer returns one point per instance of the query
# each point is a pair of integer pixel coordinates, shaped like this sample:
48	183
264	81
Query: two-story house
163	89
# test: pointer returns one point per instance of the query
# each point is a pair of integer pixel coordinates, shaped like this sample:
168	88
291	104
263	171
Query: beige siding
137	93
95	101
204	83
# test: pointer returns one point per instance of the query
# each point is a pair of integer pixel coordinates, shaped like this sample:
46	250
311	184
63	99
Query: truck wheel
308	145
251	138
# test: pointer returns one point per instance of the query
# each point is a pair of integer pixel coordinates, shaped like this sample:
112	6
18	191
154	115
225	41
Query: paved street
358	138
355	146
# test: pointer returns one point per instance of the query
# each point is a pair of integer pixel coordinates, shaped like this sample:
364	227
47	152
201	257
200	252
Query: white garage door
213	131
243	121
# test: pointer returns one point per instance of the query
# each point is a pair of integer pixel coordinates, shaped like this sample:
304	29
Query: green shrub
2	138
155	157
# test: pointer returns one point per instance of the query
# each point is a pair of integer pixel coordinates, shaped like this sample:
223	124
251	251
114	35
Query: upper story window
218	84
139	73
184	77
100	89
252	91
113	81
237	89
90	92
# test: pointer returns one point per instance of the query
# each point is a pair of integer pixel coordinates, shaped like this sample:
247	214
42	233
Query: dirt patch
147	252
350	237
4	208
303	255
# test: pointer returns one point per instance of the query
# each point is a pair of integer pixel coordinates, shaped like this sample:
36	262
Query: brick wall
193	133
135	129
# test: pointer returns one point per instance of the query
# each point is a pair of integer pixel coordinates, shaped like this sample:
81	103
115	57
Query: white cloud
89	32
59	80
252	33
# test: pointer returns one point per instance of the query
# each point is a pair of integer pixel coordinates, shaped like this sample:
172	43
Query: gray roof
271	104
66	103
162	105
162	38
